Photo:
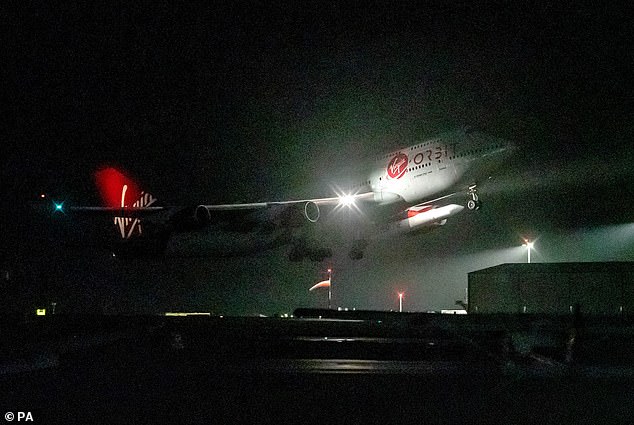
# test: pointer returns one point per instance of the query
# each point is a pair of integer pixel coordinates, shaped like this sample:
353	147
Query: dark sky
262	101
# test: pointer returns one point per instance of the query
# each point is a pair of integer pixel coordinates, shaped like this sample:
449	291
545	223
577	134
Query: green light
59	207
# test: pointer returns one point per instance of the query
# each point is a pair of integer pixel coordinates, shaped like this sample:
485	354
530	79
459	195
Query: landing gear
474	203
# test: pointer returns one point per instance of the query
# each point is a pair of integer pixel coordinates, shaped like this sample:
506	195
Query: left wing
128	205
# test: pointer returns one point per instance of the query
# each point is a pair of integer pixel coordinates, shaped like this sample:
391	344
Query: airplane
397	185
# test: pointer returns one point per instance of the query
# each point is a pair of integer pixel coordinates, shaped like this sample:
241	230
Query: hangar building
553	288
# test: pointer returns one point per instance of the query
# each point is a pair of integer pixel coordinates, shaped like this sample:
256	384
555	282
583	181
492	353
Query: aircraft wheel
474	205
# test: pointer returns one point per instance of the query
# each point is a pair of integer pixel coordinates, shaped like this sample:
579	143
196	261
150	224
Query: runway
401	369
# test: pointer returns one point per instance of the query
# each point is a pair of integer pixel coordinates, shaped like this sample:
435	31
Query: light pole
329	287
400	302
529	245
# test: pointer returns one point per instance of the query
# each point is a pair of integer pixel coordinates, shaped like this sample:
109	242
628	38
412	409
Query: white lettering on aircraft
128	225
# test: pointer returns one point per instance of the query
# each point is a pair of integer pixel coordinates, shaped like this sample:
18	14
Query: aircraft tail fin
117	190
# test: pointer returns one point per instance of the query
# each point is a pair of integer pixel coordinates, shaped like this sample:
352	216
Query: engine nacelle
311	211
202	216
191	218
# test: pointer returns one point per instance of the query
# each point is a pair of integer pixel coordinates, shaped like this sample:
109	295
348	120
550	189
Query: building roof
588	267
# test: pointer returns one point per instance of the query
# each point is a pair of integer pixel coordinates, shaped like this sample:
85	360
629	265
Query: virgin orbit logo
397	166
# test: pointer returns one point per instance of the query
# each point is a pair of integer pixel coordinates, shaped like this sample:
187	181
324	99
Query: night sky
267	101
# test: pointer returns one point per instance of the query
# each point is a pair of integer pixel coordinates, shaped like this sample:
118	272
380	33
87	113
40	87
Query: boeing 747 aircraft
421	186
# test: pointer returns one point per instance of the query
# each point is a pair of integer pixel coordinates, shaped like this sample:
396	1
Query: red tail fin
119	191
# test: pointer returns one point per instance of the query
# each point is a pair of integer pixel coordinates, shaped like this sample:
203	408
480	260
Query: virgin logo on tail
129	226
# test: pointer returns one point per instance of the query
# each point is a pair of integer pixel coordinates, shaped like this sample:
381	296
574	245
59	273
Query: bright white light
529	246
346	200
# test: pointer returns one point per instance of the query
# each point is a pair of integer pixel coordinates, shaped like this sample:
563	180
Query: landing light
346	200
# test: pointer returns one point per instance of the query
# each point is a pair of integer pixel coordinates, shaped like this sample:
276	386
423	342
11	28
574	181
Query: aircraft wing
137	215
129	217
317	201
133	212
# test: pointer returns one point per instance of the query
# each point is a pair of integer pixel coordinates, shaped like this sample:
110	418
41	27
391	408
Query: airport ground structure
510	367
598	289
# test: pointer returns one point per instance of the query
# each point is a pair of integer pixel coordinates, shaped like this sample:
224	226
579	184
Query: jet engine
202	217
311	211
192	218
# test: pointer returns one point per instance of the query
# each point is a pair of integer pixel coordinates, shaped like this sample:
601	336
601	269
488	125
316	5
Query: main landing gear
474	203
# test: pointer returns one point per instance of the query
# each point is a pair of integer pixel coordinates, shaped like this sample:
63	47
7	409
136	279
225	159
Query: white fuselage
426	169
